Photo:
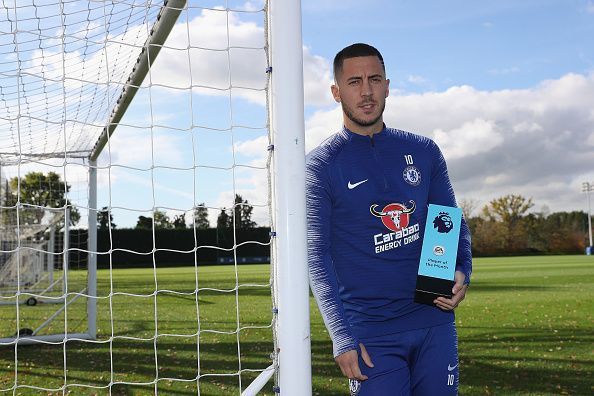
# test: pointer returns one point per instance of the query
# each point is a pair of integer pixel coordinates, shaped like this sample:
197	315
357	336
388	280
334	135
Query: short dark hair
354	51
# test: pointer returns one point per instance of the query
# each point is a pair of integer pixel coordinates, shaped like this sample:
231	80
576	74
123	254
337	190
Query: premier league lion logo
443	222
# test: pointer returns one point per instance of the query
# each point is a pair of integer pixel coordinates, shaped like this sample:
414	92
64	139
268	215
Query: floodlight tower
588	188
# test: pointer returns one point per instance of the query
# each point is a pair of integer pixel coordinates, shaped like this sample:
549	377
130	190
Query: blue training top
367	201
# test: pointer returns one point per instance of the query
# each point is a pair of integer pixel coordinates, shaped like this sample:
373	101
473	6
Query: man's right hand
349	363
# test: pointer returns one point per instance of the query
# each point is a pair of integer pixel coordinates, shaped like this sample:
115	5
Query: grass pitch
526	328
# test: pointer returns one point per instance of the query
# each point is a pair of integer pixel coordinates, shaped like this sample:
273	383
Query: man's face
361	88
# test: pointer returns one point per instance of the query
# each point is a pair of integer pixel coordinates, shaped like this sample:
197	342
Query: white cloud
536	142
253	6
253	148
527	127
321	125
317	78
590	140
138	148
420	80
473	137
196	54
213	70
504	71
207	63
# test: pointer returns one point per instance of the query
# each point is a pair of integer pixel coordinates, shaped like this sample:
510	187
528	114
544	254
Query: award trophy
437	264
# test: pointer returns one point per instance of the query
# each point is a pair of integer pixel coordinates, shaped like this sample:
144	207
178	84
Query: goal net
27	261
152	209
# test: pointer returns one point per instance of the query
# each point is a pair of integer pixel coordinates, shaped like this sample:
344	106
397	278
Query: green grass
526	328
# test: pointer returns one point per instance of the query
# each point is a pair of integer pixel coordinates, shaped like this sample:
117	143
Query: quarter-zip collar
373	139
372	142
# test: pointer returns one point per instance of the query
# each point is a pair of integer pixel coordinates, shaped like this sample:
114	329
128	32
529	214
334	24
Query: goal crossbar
158	34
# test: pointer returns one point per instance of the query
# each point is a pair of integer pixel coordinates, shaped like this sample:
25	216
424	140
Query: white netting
182	184
27	252
56	83
38	265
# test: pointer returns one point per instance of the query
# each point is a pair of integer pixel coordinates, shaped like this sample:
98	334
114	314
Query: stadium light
588	188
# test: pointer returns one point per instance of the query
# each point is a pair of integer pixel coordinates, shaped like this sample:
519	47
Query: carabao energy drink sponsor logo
396	218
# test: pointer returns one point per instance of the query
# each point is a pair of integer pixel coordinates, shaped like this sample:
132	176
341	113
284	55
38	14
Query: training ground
525	328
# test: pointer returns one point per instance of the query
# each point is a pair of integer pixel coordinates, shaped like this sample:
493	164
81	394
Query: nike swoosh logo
353	185
450	368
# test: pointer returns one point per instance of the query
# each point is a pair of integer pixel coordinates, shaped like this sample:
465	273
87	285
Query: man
368	187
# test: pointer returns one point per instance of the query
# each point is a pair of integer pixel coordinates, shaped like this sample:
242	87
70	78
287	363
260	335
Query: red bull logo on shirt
396	218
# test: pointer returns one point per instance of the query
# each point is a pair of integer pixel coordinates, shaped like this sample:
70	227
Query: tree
179	221
201	217
565	232
509	212
144	222
242	215
105	219
487	236
508	209
162	220
35	191
224	220
468	206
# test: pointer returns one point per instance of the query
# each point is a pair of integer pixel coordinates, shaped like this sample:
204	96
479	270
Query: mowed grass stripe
526	328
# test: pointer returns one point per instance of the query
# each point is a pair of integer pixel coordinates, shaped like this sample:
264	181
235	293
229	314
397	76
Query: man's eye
354	82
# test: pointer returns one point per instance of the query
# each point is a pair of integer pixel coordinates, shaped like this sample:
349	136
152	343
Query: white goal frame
292	361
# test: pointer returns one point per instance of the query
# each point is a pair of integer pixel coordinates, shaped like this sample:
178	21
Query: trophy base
429	288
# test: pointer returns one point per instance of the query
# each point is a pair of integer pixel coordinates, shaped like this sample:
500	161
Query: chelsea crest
412	175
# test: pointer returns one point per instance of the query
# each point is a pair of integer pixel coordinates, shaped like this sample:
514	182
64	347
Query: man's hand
349	363
458	291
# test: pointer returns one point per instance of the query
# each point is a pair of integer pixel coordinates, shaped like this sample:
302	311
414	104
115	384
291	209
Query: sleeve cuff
353	346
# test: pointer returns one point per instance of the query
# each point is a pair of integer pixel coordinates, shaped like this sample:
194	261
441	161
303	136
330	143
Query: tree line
239	216
36	191
504	226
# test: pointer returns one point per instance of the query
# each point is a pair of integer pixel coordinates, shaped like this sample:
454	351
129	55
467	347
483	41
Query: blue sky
488	45
505	88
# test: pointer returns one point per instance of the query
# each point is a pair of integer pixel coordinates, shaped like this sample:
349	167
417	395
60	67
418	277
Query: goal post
288	130
152	110
92	252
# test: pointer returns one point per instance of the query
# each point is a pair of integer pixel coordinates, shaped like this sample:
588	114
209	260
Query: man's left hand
458	294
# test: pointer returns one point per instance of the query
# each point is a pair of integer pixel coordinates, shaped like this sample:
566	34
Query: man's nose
366	88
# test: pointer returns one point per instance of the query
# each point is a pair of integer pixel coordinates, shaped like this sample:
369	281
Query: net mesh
27	258
62	66
183	183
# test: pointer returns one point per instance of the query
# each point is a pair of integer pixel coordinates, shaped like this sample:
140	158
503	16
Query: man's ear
335	92
387	87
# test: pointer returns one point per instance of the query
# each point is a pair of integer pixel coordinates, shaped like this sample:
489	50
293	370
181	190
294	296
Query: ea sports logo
395	216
